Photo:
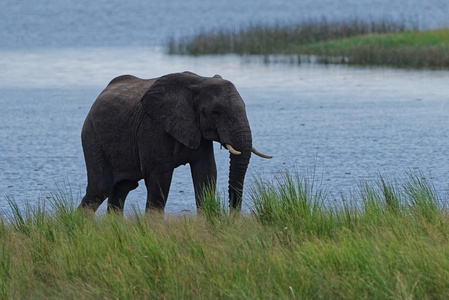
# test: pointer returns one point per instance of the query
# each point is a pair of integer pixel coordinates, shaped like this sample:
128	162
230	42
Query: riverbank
393	244
384	43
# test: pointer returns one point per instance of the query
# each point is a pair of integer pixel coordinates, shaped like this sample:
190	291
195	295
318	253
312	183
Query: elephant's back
116	111
120	98
130	80
126	88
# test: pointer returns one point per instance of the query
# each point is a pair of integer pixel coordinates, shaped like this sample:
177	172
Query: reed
382	42
390	241
267	39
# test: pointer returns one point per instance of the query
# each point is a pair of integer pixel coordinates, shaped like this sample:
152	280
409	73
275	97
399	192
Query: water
346	123
114	23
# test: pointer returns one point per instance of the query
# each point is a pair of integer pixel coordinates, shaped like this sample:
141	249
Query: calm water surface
346	123
112	23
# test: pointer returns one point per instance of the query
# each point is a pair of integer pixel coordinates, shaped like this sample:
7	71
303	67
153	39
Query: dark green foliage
265	39
382	42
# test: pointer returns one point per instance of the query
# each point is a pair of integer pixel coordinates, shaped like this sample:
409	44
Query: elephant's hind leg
116	200
99	187
99	174
91	202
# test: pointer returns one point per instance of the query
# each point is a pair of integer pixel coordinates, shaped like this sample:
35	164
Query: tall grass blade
213	208
422	196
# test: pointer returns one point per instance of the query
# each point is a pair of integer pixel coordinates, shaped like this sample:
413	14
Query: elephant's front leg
158	186
204	173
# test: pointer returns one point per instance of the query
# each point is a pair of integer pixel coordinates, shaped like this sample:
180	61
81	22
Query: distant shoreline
374	43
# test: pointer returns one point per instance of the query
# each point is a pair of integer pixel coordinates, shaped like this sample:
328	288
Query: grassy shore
384	42
393	243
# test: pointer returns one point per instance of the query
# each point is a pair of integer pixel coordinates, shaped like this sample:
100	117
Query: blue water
346	123
115	23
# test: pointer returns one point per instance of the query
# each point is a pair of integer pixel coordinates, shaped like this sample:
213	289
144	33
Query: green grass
391	241
384	42
417	49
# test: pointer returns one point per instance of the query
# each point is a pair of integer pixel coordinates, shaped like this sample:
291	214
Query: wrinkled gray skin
144	129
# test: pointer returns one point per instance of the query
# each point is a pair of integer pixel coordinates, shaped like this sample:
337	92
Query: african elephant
144	129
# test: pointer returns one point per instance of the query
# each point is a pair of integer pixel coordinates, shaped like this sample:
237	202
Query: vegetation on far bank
384	42
392	243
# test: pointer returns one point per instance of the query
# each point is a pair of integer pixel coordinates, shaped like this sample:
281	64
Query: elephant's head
191	108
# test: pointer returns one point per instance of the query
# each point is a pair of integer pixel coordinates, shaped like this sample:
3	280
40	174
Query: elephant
145	128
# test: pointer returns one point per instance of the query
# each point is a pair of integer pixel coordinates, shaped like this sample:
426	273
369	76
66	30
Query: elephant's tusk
232	150
254	150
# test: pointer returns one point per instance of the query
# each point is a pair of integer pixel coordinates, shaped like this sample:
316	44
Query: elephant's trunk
238	166
237	171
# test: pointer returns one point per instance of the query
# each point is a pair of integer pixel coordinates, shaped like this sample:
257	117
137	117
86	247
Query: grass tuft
291	201
213	208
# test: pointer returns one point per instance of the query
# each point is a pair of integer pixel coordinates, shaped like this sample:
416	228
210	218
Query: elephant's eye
215	113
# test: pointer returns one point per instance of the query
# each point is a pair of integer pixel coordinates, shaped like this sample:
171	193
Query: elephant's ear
169	102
